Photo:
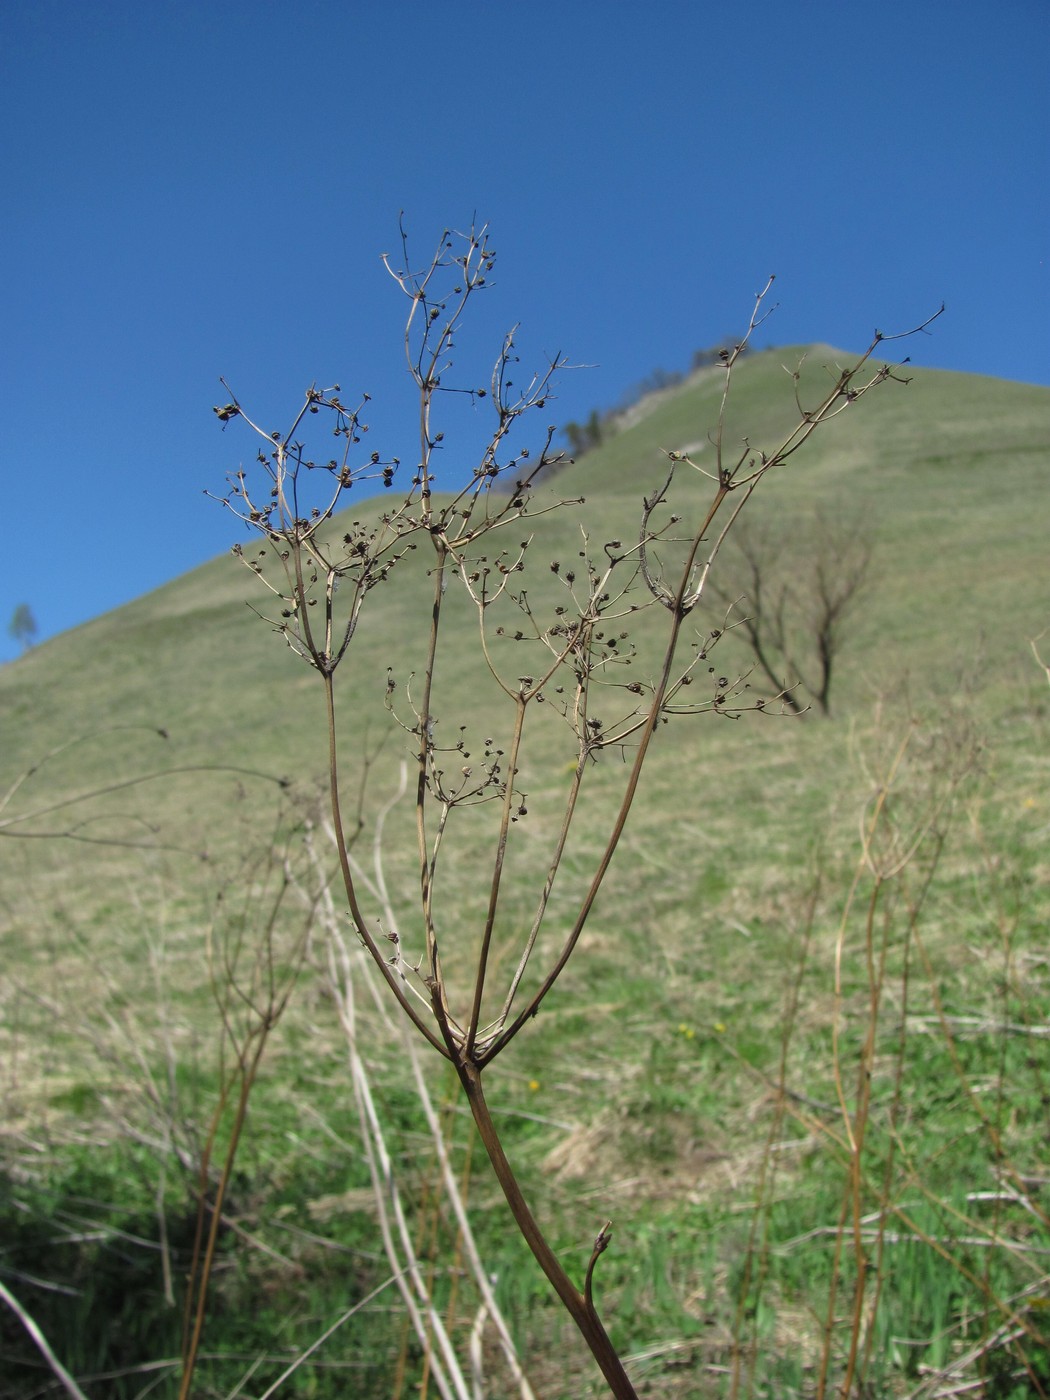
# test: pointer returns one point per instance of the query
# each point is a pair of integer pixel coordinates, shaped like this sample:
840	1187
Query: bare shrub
793	593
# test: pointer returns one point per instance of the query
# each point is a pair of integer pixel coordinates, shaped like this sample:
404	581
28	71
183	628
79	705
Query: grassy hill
673	1078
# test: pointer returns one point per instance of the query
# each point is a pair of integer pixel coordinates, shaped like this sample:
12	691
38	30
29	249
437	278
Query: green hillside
647	1089
951	471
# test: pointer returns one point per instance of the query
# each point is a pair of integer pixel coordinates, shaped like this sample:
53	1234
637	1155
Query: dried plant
255	956
901	1247
585	653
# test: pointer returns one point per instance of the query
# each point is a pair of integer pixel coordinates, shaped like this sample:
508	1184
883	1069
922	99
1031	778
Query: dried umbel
574	655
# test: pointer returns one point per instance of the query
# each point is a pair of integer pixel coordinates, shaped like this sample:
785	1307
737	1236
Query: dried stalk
345	969
67	1382
461	532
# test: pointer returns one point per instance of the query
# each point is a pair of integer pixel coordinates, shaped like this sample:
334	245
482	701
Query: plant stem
578	1305
360	923
247	1074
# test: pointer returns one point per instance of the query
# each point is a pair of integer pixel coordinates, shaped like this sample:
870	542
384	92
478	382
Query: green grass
645	1090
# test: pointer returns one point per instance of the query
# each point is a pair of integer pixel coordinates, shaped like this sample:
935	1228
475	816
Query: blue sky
191	190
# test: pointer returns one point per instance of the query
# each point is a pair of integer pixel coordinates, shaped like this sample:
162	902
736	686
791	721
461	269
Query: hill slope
949	472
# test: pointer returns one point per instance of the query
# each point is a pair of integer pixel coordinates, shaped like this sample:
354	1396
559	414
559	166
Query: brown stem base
579	1305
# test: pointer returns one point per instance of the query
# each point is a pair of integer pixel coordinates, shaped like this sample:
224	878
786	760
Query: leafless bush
794	593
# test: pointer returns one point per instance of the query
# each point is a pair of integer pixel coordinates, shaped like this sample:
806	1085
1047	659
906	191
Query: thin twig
66	1380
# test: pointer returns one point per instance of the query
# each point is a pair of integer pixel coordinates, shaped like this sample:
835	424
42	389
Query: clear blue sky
195	189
